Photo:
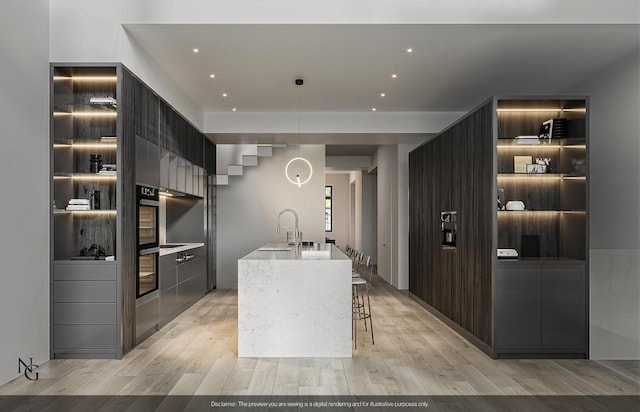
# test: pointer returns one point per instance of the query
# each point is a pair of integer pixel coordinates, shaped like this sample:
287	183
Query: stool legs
360	311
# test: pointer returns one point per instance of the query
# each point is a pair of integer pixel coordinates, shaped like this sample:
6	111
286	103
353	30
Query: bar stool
360	311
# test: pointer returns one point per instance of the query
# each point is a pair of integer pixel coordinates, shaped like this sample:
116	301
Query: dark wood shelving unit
488	300
93	309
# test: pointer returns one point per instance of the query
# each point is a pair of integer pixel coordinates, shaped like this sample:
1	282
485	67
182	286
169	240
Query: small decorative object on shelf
501	203
103	101
520	163
94	196
554	129
515	205
95	161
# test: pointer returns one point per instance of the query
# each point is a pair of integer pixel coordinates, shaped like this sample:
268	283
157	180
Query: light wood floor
414	354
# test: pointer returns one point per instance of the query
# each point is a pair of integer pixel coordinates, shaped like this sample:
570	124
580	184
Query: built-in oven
147	216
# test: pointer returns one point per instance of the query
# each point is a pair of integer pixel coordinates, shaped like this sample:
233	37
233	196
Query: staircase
231	159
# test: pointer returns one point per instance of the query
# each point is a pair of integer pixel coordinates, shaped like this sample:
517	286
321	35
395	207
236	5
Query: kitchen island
294	303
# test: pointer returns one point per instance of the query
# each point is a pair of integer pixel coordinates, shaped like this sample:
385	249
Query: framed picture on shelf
520	163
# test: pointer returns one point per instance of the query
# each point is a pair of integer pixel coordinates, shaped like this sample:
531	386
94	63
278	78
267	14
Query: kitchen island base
291	306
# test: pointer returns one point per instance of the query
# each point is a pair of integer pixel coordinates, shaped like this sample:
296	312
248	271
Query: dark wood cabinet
541	308
474	167
563	305
137	123
146	113
519	317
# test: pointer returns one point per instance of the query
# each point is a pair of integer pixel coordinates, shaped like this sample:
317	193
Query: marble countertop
283	251
180	247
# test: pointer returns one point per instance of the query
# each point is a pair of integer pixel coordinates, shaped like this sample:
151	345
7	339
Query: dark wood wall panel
147	113
127	209
454	171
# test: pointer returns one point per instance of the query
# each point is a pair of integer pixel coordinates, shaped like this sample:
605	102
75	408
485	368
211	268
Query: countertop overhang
276	251
179	247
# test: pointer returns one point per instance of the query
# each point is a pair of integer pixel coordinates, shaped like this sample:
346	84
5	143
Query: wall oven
147	216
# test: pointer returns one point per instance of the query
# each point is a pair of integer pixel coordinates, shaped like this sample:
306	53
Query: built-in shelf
85	176
88	113
516	212
91	212
540	176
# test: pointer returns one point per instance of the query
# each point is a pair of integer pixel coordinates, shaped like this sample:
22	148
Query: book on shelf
78	207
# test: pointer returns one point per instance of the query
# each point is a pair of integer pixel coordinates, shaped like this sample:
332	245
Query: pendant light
299	169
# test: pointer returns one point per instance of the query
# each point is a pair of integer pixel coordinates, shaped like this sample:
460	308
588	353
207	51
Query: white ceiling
346	67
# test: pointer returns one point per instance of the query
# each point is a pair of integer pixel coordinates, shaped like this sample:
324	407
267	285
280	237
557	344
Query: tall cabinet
87	201
541	160
498	241
101	116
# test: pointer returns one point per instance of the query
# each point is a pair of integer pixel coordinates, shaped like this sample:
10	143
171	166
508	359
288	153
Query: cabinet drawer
85	336
147	315
85	291
85	313
90	270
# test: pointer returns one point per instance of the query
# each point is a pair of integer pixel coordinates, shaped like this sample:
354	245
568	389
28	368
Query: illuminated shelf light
542	212
87	78
542	176
539	109
86	114
93	176
88	212
529	176
95	145
528	146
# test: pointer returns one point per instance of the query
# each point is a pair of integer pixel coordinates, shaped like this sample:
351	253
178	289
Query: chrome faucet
296	230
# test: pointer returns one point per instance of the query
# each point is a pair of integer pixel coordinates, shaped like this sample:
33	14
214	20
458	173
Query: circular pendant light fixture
299	169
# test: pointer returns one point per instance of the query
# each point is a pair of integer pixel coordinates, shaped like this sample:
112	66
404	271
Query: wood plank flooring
414	354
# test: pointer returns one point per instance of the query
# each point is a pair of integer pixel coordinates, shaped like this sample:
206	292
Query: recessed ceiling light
224	95
212	75
382	95
233	110
196	50
394	76
373	109
409	50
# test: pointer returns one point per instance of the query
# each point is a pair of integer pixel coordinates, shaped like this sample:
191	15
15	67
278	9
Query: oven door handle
149	251
147	202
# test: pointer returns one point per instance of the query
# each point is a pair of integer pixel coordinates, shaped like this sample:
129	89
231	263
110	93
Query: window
328	208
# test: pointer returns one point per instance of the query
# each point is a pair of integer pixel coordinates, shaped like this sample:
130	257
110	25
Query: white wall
370	215
357	204
403	215
340	183
89	31
24	167
614	207
247	209
387	162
